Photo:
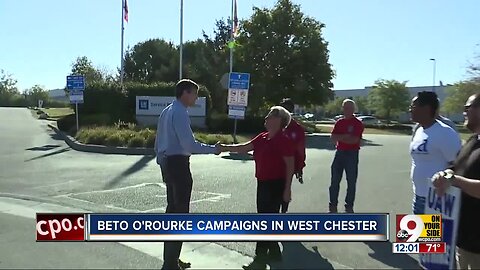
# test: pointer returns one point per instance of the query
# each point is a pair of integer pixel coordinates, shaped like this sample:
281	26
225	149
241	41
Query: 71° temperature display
413	248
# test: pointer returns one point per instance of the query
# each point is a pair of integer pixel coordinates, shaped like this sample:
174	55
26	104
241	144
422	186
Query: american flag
125	10
235	19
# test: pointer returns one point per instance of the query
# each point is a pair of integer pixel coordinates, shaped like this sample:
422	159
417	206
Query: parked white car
369	120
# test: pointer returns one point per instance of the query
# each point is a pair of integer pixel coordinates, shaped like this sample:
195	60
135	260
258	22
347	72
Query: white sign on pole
449	206
153	105
236	112
76	97
40	103
237	97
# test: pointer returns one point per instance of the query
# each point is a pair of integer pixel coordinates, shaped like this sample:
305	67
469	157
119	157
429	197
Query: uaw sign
153	106
449	207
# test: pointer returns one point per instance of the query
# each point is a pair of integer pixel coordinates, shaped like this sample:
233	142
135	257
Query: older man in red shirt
346	134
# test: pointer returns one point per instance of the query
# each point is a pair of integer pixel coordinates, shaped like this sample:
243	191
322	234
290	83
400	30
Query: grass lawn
58	112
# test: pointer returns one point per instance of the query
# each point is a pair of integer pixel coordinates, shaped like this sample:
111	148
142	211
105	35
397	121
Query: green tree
218	63
285	53
474	70
83	66
35	94
389	98
458	94
362	104
8	88
334	107
154	60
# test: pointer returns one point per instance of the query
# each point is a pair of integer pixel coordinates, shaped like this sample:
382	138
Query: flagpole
181	41
231	64
231	37
121	59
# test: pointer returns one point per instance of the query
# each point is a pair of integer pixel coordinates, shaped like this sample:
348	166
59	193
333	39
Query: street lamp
434	71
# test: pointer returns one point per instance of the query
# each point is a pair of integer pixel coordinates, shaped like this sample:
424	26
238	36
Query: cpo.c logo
411	227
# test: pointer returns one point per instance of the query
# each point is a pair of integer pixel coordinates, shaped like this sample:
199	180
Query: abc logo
411	227
402	235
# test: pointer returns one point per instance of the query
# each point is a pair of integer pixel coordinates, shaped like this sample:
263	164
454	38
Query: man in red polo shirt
346	134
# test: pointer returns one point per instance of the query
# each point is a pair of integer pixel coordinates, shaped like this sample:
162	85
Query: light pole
434	71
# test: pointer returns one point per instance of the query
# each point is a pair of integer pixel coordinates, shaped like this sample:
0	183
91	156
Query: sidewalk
18	248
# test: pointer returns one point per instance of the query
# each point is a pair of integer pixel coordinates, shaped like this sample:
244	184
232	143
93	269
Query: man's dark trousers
178	179
344	160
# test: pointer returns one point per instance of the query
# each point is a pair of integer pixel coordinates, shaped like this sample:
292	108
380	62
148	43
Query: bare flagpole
181	41
231	37
232	22
121	59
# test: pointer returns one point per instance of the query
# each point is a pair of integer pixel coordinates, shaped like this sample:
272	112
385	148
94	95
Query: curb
74	144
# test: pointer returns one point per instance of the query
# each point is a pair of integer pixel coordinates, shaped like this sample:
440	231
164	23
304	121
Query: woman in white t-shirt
433	148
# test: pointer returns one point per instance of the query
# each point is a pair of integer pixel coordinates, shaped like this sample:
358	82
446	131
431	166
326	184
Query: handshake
220	147
238	148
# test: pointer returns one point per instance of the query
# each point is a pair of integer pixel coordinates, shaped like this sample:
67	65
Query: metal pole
76	112
231	66
121	59
181	41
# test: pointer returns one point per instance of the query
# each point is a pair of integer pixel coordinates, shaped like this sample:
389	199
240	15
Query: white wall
149	108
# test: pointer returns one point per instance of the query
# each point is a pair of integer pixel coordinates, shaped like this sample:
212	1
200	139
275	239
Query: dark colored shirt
296	133
351	126
269	155
467	164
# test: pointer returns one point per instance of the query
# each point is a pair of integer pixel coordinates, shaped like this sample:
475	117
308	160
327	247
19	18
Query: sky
367	39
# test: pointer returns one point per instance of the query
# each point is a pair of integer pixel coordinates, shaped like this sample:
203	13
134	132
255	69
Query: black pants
178	179
269	200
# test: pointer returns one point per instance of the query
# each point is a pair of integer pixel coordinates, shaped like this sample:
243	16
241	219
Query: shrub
68	122
391	127
220	123
115	140
108	98
309	127
136	141
150	142
96	136
125	125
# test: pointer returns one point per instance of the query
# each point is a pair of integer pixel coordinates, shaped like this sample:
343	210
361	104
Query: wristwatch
449	176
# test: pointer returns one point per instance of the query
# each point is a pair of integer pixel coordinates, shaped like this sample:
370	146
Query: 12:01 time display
406	248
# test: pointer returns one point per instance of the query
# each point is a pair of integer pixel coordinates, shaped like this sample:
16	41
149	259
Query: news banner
414	233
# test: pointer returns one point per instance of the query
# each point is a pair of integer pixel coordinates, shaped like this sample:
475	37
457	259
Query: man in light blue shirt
174	144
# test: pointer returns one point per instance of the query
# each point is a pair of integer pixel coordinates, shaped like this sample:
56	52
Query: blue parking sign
239	80
76	83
